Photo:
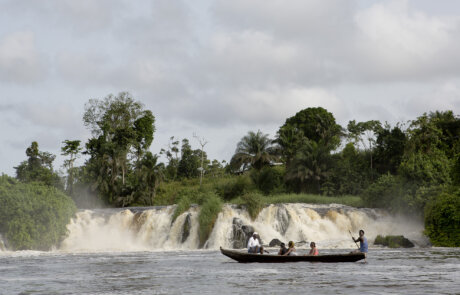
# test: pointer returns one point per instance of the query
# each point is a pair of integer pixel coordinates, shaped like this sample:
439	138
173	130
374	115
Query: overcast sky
220	68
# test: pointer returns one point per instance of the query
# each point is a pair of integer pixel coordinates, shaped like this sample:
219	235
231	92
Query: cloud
396	42
20	61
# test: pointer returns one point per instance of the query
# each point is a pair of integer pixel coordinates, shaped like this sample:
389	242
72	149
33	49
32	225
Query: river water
387	271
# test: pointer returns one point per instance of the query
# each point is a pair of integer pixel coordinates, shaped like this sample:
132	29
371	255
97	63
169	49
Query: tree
305	143
38	167
310	167
150	176
202	143
254	150
122	131
314	124
171	154
389	149
364	133
71	148
189	162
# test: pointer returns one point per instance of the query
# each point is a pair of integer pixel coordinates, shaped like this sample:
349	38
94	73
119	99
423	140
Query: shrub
182	206
442	220
33	216
210	208
254	204
235	187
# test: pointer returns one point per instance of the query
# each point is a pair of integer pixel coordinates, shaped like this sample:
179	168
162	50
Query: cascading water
2	244
152	229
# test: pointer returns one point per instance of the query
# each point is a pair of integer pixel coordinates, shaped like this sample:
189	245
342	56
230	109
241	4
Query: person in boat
291	250
283	249
313	250
254	244
363	247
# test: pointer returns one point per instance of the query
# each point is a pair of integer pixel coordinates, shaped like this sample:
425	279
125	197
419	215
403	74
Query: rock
274	243
241	233
186	227
393	241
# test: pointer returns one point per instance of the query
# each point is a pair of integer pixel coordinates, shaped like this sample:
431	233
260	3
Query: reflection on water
413	271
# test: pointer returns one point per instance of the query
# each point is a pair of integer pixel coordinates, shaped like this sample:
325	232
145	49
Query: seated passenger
313	250
283	249
291	251
254	245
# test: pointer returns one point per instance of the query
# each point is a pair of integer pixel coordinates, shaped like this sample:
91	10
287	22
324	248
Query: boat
270	258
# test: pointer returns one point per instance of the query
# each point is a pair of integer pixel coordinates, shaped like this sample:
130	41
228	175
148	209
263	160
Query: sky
219	69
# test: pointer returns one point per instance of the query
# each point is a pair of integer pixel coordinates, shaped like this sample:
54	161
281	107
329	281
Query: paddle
353	238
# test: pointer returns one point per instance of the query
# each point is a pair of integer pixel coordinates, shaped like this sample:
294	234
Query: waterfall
150	229
2	244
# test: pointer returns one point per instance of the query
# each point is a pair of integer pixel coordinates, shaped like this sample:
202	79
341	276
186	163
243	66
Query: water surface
405	271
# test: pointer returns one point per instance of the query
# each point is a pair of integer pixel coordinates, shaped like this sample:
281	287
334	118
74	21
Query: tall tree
254	150
364	133
71	148
122	130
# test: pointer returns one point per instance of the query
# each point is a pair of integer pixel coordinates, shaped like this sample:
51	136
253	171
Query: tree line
405	167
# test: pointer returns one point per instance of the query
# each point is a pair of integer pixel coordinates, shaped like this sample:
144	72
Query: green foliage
387	192
122	133
235	187
349	172
426	168
38	168
313	124
33	216
389	149
354	201
189	162
253	151
182	206
310	167
269	179
209	210
253	202
393	241
442	219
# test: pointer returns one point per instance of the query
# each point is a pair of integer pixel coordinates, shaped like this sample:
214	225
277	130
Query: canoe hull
251	258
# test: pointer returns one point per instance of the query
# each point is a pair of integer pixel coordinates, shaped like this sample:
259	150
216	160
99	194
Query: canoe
268	258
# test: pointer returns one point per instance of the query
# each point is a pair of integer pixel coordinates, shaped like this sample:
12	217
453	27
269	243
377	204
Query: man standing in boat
362	242
254	245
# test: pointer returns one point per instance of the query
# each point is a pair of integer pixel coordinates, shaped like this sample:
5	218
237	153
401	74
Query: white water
151	229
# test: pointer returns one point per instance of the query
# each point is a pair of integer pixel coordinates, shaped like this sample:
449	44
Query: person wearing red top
313	250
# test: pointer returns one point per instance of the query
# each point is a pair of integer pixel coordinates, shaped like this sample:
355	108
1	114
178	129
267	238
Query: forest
411	168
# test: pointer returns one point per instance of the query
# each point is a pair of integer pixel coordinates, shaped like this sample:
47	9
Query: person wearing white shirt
254	245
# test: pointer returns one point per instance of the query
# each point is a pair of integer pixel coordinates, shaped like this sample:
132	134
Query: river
406	271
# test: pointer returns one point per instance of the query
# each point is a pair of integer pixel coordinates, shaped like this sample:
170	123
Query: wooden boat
267	258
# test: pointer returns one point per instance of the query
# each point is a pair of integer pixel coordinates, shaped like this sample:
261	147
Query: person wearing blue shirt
363	247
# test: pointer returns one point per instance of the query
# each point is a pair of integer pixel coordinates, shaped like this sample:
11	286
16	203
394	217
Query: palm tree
253	150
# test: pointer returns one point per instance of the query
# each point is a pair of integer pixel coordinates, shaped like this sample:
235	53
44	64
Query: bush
182	206
269	179
210	208
33	216
235	187
254	204
442	220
